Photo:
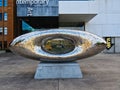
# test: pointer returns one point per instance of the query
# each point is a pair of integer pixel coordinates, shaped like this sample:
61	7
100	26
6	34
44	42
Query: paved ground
101	72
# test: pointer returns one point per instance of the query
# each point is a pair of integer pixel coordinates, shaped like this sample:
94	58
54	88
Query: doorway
29	24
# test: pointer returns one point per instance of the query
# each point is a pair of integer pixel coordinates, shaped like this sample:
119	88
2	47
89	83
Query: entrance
29	24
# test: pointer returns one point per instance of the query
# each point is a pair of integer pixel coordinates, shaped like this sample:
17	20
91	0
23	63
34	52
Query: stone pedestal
58	70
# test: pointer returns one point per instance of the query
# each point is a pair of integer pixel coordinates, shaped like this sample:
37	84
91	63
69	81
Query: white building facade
100	17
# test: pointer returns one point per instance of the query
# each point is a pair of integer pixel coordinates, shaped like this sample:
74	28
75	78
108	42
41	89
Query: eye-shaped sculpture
58	45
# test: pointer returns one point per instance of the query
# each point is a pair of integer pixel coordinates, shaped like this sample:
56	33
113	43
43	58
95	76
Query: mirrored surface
58	45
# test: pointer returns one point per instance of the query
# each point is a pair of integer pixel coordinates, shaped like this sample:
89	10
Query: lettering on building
29	11
33	2
37	7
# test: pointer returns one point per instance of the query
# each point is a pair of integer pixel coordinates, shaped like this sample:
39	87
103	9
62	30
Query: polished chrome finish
58	45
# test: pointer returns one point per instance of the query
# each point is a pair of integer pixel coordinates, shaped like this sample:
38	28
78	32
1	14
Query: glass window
0	3
5	16
1	30
5	30
0	16
5	2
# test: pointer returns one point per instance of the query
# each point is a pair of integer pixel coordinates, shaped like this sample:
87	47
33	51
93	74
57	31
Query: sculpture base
58	70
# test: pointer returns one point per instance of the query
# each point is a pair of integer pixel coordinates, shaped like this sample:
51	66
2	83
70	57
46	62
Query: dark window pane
1	30
5	44
0	16
0	2
5	2
0	44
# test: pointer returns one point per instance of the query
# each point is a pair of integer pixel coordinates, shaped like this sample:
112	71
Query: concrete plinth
58	71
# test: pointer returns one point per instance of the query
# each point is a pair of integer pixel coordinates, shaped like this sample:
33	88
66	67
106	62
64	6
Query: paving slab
100	72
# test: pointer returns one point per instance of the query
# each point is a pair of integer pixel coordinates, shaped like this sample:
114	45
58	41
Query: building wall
3	24
6	22
107	22
117	45
78	6
11	21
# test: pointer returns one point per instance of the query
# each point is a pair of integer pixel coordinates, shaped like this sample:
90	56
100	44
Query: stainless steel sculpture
58	45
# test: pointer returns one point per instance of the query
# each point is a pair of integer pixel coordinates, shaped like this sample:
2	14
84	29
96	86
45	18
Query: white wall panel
108	19
93	6
101	6
98	19
78	7
104	30
113	18
112	6
95	29
111	30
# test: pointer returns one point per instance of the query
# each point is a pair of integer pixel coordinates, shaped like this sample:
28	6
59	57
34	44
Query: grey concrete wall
117	45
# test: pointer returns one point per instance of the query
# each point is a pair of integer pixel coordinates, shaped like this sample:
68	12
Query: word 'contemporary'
31	2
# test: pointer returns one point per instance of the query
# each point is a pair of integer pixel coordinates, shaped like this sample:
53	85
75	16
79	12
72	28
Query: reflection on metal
58	45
